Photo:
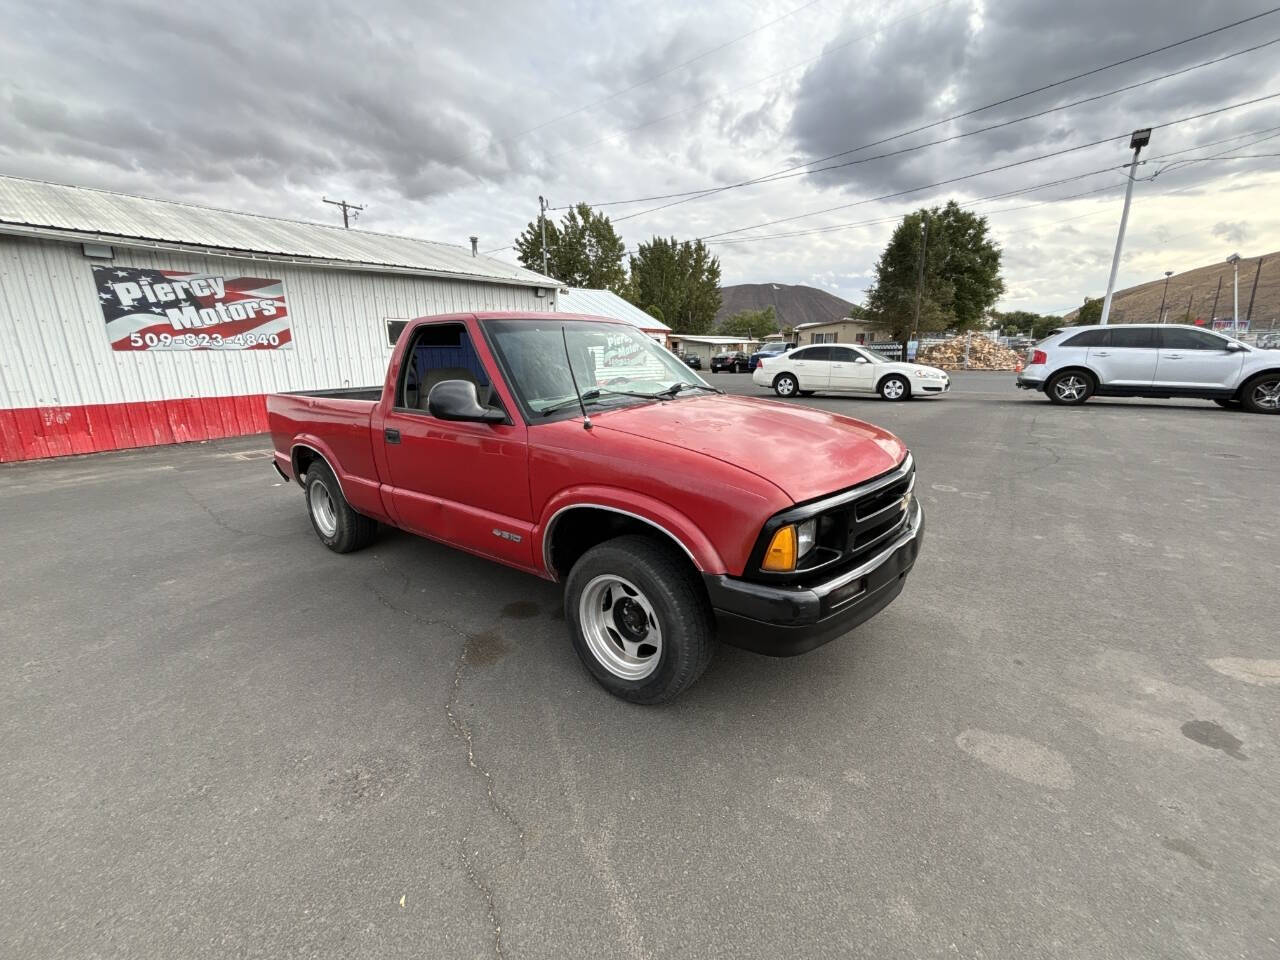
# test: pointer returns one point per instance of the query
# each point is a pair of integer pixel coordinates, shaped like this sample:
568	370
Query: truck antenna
586	420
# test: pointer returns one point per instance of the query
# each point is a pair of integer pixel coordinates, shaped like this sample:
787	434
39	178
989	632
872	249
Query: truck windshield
613	364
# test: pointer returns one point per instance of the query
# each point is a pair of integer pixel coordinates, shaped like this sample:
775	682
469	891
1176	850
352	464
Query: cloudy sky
449	119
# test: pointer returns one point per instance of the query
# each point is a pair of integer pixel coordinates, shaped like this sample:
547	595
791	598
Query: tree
961	273
1034	325
679	282
1091	312
582	251
751	324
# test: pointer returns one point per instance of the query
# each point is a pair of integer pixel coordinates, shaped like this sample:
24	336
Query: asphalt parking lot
221	739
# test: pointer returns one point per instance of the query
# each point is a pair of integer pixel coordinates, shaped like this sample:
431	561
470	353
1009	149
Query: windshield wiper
591	394
595	392
675	388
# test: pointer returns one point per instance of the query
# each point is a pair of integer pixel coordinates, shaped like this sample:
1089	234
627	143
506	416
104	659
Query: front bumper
931	386
785	621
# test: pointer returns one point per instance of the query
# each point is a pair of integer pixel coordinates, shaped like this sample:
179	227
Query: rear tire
894	387
1071	387
639	619
1262	394
338	526
785	385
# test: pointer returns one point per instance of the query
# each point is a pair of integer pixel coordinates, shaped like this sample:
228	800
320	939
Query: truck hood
806	453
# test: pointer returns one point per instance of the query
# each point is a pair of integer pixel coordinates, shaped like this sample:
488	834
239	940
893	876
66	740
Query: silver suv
1152	360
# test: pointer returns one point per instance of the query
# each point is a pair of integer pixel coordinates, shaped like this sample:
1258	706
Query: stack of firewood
983	354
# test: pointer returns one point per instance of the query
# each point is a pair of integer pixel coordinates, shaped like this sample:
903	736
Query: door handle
393	436
1173	356
1103	353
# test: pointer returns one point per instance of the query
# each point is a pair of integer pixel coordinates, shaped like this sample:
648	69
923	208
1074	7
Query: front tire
639	619
785	385
1262	394
894	387
339	527
1071	387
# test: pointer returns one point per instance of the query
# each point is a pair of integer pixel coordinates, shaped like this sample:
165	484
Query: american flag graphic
170	310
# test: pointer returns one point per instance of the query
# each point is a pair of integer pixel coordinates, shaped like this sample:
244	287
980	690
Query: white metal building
606	303
127	321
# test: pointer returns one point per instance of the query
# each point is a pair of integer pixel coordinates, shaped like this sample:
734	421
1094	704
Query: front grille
877	518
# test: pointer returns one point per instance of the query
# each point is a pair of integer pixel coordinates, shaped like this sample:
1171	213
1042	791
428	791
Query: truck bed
342	393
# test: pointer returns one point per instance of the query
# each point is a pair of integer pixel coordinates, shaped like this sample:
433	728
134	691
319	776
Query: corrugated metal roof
36	207
605	303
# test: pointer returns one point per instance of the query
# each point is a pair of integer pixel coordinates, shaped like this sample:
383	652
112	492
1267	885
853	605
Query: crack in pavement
485	892
219	521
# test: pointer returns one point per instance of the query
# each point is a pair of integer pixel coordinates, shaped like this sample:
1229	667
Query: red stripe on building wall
31	433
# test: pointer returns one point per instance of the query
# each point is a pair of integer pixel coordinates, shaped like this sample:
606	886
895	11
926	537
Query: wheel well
1072	369
785	373
577	530
302	458
1271	371
894	373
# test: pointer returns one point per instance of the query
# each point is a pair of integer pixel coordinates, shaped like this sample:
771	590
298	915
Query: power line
1006	166
958	136
706	191
753	83
635	86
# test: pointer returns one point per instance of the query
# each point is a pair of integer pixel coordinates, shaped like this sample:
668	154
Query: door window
441	351
1134	337
843	355
1175	338
812	353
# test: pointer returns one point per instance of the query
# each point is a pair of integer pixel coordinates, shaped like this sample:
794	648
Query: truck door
463	483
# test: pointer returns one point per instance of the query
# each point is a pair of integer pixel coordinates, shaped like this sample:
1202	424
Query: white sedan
845	368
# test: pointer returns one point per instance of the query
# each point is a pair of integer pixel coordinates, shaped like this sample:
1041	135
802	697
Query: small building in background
127	321
606	303
704	348
839	330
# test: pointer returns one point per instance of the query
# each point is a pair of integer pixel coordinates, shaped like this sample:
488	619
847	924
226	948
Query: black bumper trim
1026	383
785	621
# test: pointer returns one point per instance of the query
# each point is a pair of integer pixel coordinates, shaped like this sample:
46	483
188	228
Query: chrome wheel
1071	387
322	510
1266	394
893	389
620	627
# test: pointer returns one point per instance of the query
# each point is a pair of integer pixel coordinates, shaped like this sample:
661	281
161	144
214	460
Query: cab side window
439	352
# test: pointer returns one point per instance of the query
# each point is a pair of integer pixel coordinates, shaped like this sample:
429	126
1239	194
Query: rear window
1088	338
1048	336
1134	337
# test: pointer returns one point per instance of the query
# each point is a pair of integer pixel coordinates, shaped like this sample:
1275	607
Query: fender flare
320	449
677	526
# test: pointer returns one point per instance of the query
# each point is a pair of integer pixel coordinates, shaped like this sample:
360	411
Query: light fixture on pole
1165	294
1139	140
1234	260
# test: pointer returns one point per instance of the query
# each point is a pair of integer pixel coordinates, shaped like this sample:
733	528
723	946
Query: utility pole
542	220
1167	275
915	326
1213	315
349	211
1190	297
1249	313
1234	260
1139	140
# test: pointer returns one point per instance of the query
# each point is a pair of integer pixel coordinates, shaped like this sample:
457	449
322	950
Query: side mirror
457	400
1233	347
861	360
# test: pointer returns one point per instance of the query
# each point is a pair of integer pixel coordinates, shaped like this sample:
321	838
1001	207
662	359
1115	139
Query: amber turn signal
780	557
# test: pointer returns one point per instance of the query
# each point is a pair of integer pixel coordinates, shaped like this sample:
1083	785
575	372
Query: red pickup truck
578	449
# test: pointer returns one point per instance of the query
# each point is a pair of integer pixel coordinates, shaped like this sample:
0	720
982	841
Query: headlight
788	544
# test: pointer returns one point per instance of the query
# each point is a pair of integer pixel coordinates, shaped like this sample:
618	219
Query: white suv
1152	360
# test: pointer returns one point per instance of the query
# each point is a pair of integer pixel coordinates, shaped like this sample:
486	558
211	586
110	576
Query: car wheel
894	387
339	527
784	385
1262	394
1070	387
639	619
1227	404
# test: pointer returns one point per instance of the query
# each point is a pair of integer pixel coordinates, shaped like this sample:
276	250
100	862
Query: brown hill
794	303
1199	286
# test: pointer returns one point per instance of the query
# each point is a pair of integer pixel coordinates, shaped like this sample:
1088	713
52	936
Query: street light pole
1234	260
915	327
1165	294
542	220
1139	140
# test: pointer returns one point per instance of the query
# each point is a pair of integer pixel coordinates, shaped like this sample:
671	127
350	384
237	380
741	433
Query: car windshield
612	363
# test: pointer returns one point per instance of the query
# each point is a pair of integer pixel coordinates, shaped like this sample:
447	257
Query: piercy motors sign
171	310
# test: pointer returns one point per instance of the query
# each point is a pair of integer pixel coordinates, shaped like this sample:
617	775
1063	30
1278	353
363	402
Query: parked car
847	368
579	450
1152	360
735	361
693	361
769	350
